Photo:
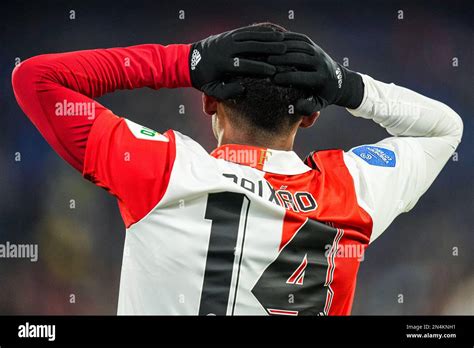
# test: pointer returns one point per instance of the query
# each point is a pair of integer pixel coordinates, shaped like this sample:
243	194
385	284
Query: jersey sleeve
57	91
131	162
389	178
391	175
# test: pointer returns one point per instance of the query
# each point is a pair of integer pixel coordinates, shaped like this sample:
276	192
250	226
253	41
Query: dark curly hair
265	106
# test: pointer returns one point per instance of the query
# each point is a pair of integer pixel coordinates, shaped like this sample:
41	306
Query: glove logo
195	59
376	156
339	77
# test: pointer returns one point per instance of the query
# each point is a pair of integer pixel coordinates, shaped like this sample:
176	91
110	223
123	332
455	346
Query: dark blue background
80	249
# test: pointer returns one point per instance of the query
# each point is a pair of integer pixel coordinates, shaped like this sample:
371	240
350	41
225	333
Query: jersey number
297	282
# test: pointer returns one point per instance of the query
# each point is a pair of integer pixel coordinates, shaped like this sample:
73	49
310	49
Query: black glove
313	69
212	60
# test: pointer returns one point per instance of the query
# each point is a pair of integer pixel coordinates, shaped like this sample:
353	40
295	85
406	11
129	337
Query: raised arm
43	83
391	175
132	162
432	125
55	90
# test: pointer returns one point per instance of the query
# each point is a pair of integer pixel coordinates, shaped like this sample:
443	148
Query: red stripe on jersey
332	266
297	276
332	186
282	312
338	204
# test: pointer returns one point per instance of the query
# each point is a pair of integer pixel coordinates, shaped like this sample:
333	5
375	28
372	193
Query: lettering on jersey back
299	201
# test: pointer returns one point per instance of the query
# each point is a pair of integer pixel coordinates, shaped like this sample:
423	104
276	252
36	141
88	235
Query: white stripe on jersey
173	258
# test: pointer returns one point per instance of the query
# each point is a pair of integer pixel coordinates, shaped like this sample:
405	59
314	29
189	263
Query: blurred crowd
423	263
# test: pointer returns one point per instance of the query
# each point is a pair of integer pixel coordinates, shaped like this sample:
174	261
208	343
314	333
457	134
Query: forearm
429	127
406	113
43	83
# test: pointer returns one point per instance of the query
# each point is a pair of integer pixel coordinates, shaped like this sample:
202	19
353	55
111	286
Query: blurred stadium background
80	249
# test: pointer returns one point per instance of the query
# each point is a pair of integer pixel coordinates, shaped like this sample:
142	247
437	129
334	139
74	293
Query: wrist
175	65
352	89
198	74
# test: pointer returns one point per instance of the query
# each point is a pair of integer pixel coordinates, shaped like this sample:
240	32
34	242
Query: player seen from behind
249	228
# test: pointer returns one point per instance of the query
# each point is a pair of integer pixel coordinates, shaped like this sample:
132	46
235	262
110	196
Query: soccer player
249	228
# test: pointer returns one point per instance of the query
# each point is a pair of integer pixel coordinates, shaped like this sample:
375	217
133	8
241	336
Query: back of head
265	107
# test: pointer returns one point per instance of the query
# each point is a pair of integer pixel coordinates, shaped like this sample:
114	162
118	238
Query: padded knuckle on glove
255	47
299	46
298	60
258	36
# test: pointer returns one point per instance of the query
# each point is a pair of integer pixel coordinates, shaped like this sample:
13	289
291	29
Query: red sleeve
55	90
131	162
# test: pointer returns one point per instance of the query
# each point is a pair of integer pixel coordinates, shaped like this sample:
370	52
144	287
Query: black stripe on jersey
309	160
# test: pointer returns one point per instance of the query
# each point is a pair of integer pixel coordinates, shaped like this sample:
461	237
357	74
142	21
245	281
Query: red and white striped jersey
245	230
